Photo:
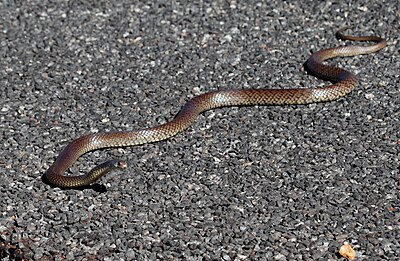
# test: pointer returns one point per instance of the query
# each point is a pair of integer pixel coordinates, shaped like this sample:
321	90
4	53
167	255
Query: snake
343	82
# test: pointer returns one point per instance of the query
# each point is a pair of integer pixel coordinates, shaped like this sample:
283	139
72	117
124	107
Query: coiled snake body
344	82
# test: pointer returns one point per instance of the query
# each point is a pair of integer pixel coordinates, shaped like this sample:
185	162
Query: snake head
102	169
115	164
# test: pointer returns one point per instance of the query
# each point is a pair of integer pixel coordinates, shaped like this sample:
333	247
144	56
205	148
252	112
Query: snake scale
343	83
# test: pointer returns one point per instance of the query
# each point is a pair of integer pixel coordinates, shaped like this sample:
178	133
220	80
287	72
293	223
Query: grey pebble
263	183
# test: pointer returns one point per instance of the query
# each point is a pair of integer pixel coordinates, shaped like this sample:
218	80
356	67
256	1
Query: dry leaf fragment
347	251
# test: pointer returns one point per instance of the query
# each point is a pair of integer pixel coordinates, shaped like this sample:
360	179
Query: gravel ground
249	183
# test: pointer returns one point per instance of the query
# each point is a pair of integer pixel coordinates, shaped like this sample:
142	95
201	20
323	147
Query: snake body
344	83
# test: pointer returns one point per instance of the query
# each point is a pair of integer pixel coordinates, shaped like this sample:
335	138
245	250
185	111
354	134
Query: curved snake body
344	82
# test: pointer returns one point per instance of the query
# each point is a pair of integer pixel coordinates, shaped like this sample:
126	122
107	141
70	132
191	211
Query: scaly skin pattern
344	83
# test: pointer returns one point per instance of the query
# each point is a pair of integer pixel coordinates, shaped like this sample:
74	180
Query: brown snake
344	83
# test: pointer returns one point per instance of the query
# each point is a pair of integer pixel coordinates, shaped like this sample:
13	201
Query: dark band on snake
343	83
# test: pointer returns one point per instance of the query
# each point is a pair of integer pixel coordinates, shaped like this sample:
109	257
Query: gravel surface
249	183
